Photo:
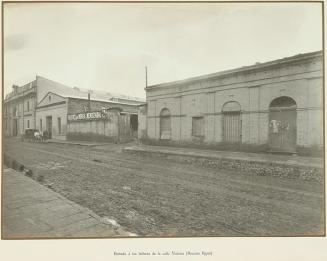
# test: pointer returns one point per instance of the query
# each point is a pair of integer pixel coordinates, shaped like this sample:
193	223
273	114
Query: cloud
15	42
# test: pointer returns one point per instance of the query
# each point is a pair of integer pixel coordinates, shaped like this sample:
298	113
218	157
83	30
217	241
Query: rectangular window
28	106
59	125
197	126
28	124
40	124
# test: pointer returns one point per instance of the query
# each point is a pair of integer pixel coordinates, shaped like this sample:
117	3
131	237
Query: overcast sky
106	46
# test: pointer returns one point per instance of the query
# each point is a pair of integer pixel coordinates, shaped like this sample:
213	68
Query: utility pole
146	76
23	111
89	101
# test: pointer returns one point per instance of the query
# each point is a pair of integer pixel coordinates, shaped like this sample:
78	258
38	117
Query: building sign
97	115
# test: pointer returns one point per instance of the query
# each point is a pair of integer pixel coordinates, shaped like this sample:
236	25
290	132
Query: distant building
271	106
53	106
20	109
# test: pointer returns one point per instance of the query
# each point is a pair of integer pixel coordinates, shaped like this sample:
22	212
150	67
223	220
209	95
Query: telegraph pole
23	111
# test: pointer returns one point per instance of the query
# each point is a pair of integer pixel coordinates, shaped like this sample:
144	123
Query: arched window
283	103
232	122
232	107
165	124
282	125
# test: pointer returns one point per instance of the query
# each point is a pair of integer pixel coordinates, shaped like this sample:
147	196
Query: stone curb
73	143
260	167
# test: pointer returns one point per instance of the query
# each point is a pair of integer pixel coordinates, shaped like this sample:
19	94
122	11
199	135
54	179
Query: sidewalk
30	210
81	143
87	143
259	163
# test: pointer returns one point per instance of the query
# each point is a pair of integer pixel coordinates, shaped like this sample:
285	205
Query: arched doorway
232	131
282	125
165	124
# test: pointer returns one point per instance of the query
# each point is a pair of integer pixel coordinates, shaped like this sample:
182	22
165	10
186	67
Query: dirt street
153	197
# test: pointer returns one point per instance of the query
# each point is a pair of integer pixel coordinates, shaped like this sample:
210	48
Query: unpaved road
154	197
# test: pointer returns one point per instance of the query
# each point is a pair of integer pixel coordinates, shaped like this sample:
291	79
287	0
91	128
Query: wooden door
49	125
282	130
232	127
124	126
165	127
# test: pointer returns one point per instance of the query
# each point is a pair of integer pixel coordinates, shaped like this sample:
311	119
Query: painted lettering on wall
97	115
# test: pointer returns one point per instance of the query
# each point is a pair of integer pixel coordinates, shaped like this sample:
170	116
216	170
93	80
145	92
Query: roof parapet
257	65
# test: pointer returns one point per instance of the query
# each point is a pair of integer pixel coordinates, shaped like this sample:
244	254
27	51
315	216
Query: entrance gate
282	125
124	126
49	125
232	122
165	124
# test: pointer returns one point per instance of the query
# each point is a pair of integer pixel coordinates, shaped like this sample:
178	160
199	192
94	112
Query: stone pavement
259	163
263	157
31	210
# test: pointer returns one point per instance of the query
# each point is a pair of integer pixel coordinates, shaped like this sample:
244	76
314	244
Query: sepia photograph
162	120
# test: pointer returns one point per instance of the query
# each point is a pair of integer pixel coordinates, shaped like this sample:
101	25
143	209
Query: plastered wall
254	91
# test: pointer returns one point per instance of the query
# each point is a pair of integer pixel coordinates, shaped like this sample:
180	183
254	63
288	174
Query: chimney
89	101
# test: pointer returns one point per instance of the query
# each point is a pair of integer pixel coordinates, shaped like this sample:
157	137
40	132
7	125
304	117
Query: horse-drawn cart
33	135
